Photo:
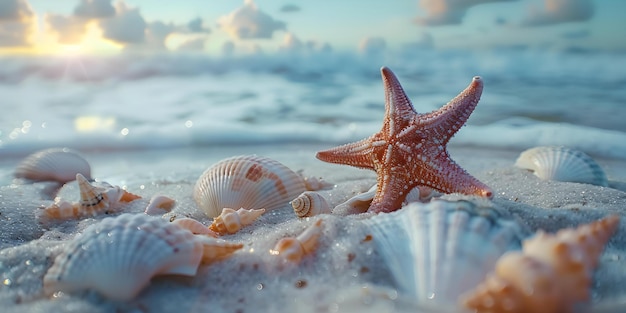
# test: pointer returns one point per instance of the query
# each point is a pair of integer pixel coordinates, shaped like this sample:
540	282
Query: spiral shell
118	256
231	221
60	165
309	204
551	275
294	249
194	226
249	182
562	164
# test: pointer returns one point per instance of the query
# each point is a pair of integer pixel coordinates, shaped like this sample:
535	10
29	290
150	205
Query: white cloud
193	45
15	10
372	46
16	21
197	26
249	22
69	29
560	11
94	9
291	43
127	26
447	12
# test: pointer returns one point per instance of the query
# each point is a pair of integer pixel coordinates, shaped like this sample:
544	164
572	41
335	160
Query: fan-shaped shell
562	164
249	182
118	256
437	251
60	165
309	204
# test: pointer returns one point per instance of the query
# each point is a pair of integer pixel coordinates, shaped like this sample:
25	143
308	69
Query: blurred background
135	74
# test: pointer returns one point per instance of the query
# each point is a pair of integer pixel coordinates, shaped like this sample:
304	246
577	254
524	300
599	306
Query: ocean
531	98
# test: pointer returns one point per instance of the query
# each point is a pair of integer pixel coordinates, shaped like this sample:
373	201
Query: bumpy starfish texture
410	150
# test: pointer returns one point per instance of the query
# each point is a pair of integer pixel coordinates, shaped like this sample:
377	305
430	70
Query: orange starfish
410	150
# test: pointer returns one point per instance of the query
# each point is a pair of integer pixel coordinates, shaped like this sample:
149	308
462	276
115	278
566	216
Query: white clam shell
439	250
118	256
60	165
562	164
249	182
159	205
309	204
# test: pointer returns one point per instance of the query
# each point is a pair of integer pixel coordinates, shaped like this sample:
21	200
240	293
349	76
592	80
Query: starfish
410	149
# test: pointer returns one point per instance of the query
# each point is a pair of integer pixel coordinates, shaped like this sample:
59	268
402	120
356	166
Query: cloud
193	45
127	26
16	23
371	46
248	22
196	26
291	43
69	29
289	8
447	12
94	9
560	11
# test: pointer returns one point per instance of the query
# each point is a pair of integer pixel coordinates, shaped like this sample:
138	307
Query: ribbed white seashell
231	221
60	165
312	183
160	205
439	250
194	226
309	204
293	249
249	182
118	256
562	164
94	200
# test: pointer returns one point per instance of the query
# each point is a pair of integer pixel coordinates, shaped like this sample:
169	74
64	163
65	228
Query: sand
344	275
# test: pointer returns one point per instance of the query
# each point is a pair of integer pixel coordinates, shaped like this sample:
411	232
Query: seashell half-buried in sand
439	250
231	221
194	226
249	182
60	165
159	205
94	200
294	249
361	202
118	256
562	164
551	275
309	204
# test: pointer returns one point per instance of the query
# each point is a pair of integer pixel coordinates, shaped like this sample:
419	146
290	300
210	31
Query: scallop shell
562	164
159	205
439	250
94	200
249	182
60	165
231	221
309	204
551	275
294	249
118	256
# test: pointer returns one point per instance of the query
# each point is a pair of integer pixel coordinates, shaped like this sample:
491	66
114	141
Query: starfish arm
450	118
358	154
451	178
390	194
398	107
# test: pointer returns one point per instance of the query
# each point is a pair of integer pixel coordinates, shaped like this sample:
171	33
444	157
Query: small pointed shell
294	249
556	269
60	165
309	204
194	226
160	205
312	183
215	250
231	221
249	182
118	256
562	164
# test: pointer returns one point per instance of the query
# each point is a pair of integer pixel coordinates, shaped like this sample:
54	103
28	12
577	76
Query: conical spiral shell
60	165
551	275
309	204
294	249
562	164
231	221
249	182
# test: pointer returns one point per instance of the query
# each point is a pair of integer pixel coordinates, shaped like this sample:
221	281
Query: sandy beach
343	275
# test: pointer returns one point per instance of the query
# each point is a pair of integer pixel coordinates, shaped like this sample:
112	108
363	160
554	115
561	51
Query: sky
218	27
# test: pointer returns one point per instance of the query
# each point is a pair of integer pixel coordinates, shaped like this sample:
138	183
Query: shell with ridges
94	200
562	164
159	205
231	221
309	204
294	249
249	182
551	275
60	165
438	250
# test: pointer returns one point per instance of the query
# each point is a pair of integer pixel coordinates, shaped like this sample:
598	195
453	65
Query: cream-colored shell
159	205
562	164
361	202
551	275
231	221
294	249
194	226
249	182
309	204
60	165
